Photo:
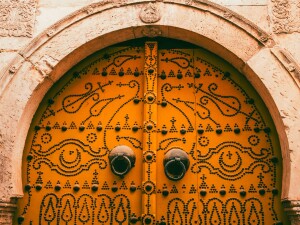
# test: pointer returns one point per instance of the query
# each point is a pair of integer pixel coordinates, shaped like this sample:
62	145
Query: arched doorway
152	98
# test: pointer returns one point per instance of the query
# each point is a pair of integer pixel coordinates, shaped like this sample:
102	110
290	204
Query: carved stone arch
40	64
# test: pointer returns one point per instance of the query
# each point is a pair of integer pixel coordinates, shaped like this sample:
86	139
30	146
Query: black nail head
222	192
219	131
121	73
203	192
274	191
148	187
38	187
149	156
136	73
150	70
164	131
150	98
237	130
149	127
106	56
278	223
227	74
29	157
57	187
165	192
148	220
135	128
256	130
133	219
182	131
164	103
200	131
132	188
136	100
50	101
114	188
27	187
197	75
162	223
274	159
64	128
37	127
99	128
179	76
243	193
262	191
95	187
104	73
250	101
76	187
48	128
117	128
20	219
76	74
267	130
163	76
81	128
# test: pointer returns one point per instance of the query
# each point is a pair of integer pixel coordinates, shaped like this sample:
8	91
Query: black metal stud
200	131
163	76
150	98
136	73
164	103
243	193
227	74
149	156
267	130
27	187
117	128
133	219
76	187
237	130
149	127
76	74
182	131
179	76
132	188
29	157
99	128
222	192
275	191
150	71
148	220
219	131
148	187
256	130
81	127
163	223
37	127
106	56
121	73
57	187
94	187
165	192
50	101
20	219
274	159
48	128
135	128
164	131
136	101
203	192
38	187
262	191
278	223
197	75
64	128
114	188
104	73
250	101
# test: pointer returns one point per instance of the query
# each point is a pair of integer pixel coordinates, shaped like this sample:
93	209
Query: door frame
46	58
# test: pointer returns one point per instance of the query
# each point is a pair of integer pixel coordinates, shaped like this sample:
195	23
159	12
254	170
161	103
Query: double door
147	135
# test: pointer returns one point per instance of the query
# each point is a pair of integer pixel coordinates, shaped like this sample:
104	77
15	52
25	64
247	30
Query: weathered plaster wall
274	71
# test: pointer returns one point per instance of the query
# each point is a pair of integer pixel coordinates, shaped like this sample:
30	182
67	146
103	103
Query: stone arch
40	64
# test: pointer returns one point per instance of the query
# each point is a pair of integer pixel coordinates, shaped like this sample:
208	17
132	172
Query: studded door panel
154	101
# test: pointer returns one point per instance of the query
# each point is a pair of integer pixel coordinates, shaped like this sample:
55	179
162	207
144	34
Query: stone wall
261	38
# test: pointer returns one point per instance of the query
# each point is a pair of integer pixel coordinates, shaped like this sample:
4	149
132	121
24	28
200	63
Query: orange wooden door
147	135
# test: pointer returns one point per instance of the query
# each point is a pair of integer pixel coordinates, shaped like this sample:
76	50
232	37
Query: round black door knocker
122	159
176	163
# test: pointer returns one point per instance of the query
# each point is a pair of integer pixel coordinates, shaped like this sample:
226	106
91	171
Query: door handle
176	163
122	159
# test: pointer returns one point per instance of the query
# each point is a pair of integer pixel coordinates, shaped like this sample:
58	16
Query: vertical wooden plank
149	137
